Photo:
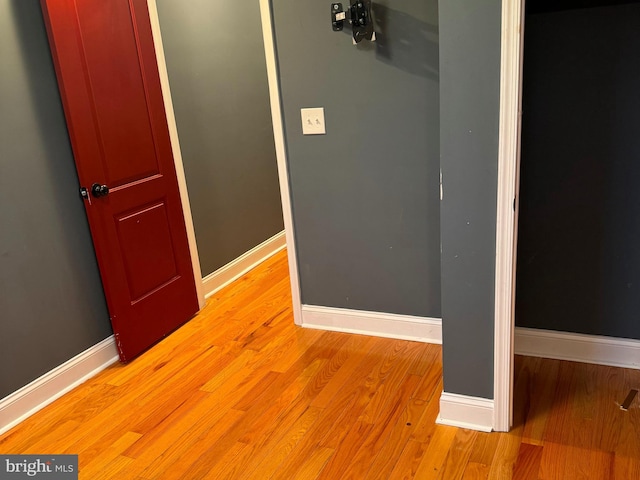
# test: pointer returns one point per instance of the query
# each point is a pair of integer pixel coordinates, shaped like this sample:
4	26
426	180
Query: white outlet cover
313	121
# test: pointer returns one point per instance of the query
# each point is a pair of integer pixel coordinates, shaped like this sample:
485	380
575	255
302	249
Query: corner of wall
464	411
52	385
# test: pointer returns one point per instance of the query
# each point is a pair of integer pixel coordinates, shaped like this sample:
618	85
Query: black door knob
98	190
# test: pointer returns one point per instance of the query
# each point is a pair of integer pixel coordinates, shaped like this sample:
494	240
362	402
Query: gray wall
218	77
469	99
51	302
365	196
578	255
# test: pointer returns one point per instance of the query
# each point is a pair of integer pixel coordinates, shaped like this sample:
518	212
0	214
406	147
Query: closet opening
578	250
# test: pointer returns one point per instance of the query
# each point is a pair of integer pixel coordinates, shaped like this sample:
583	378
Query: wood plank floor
241	393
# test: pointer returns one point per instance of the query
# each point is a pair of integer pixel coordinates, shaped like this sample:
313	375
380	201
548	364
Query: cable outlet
313	121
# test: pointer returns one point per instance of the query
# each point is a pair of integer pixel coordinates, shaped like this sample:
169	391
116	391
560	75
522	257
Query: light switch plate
313	121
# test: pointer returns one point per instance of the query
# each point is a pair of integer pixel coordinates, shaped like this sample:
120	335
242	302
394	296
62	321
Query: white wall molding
466	412
506	216
175	147
281	155
389	325
233	270
576	347
52	385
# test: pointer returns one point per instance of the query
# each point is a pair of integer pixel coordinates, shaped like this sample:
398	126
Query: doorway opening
573	224
614	105
577	252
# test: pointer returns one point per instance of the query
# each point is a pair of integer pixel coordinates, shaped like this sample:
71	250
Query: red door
108	76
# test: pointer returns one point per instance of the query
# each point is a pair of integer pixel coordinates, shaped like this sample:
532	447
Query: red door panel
114	72
147	250
107	72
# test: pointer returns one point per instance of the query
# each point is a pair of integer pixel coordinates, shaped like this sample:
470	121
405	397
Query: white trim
466	412
241	265
389	325
52	385
175	146
506	218
283	173
577	347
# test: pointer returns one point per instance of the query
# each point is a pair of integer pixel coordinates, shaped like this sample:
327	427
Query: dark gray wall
578	255
545	6
365	196
217	71
51	302
469	111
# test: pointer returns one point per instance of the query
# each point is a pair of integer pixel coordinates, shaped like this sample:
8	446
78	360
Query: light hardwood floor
241	393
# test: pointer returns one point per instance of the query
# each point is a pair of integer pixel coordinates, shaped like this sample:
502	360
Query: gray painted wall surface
365	196
51	302
469	111
578	255
217	71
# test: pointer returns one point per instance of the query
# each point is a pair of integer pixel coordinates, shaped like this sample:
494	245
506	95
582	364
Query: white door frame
278	130
281	155
507	208
175	146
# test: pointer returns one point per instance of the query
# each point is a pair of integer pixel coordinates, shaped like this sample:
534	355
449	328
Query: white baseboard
466	412
390	325
235	269
52	385
616	352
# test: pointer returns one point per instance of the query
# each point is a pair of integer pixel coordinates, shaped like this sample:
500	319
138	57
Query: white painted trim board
281	155
377	324
175	146
464	411
506	215
222	277
52	385
576	347
594	349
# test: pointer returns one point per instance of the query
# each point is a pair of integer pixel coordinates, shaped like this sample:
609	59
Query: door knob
98	190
